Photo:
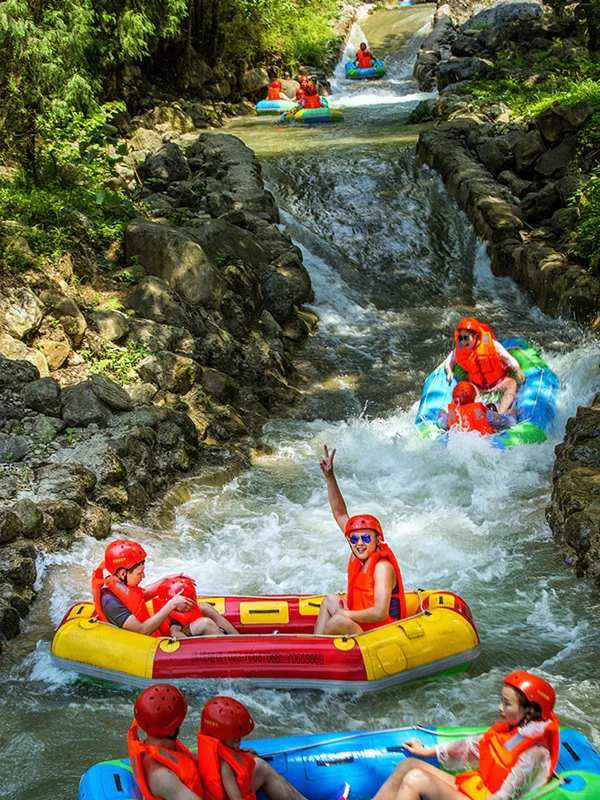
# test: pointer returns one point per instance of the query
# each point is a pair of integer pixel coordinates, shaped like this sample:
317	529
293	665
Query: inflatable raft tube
378	70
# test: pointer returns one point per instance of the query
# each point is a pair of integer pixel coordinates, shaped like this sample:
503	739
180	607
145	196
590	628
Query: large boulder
559	121
66	310
81	407
43	396
527	150
254	80
152	299
224	242
172	256
20	311
111	325
14	374
501	12
170	371
13	349
166	165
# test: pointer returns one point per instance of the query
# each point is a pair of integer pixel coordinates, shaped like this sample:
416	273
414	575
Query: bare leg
329	607
202	627
413	775
272	783
508	387
340	625
220	621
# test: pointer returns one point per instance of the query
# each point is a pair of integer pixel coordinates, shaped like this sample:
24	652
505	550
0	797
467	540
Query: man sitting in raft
120	600
375	593
162	765
228	772
276	92
514	757
464	414
486	362
364	58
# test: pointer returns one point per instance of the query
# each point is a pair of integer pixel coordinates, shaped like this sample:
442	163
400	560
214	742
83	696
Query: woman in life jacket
202	620
465	414
375	594
227	771
517	755
301	90
119	598
364	58
162	765
276	92
487	363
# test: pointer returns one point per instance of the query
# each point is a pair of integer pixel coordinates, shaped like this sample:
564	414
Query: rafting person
228	772
202	620
276	92
517	755
465	414
486	362
311	98
162	765
375	593
364	58
304	81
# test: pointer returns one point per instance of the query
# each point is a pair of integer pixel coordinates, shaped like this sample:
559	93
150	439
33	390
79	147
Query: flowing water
394	265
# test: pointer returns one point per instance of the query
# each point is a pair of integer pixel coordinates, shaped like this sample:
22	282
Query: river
394	265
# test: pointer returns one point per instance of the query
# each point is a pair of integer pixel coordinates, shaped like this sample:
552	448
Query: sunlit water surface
394	265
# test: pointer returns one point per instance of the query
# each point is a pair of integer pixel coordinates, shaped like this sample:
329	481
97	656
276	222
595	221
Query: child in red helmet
375	593
202	620
276	92
228	772
514	757
465	414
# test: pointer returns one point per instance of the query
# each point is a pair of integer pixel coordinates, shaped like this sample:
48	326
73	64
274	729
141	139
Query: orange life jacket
483	365
132	597
183	617
312	101
274	94
469	417
364	59
499	751
180	761
300	95
361	586
210	750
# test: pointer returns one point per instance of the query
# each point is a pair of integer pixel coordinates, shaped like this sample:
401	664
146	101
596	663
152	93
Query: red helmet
464	392
225	718
303	79
180	585
535	689
123	553
276	84
160	710
362	522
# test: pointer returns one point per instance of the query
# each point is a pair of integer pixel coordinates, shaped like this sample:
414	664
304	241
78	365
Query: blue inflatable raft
313	116
273	108
378	70
535	404
319	764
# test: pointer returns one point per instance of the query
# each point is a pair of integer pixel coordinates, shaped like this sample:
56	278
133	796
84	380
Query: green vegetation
117	363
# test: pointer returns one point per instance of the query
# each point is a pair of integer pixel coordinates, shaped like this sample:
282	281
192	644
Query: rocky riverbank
518	183
200	340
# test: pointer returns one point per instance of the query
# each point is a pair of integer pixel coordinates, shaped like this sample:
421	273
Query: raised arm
336	501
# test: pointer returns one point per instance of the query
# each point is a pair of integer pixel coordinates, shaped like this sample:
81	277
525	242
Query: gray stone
279	299
67	480
170	371
292	269
527	150
43	395
501	12
66	514
10	526
166	165
96	521
46	428
556	161
81	406
142	393
14	374
144	139
221	387
111	325
517	185
20	311
110	393
153	299
495	154
172	256
66	310
13	448
253	80
154	336
32	519
223	241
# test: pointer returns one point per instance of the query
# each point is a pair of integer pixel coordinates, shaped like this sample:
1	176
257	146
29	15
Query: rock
43	395
13	448
536	206
461	69
279	299
198	73
20	311
172	115
10	526
559	121
96	521
81	406
15	350
223	241
66	310
222	388
68	481
555	162
110	393
564	219
174	257
141	394
144	139
496	154
14	374
527	150
111	325
55	352
46	428
517	185
155	337
66	514
254	80
501	12
153	299
166	165
292	269
174	373
31	518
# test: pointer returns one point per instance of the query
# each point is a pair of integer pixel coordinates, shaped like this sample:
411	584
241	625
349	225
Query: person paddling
517	755
375	593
